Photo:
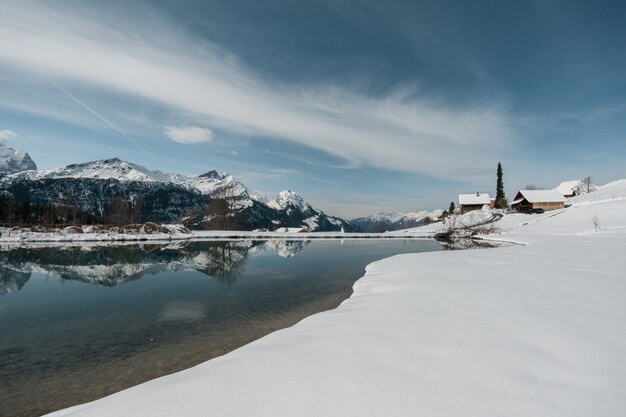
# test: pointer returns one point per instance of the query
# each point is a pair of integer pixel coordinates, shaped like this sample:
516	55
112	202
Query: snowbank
535	330
147	231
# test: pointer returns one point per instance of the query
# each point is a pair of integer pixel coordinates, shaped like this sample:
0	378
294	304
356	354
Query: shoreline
27	236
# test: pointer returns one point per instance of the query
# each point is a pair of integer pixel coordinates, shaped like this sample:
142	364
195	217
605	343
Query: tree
587	184
501	202
531	187
118	212
136	208
451	208
222	212
10	212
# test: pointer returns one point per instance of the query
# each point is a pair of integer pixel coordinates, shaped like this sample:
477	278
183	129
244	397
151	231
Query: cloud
190	134
402	130
7	134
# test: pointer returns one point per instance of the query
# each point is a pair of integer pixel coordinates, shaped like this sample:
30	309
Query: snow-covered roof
474	199
568	187
541	196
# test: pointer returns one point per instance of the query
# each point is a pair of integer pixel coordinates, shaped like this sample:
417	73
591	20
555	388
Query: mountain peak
288	199
213	174
12	161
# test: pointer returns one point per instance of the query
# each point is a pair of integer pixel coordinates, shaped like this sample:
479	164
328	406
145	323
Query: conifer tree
500	198
452	207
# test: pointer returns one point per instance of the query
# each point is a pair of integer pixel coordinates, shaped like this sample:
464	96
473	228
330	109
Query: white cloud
403	131
7	134
190	134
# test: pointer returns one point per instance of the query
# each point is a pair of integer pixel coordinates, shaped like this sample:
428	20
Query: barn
469	202
546	200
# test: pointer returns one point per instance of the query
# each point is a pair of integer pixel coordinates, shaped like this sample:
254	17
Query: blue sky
360	106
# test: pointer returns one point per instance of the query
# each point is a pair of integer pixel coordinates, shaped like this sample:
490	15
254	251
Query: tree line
220	212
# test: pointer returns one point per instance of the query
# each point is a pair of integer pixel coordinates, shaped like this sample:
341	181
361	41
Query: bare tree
587	184
596	222
222	211
531	187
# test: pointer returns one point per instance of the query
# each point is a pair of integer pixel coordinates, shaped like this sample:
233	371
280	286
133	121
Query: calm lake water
78	323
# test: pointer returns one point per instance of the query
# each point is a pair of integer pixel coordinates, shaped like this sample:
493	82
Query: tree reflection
226	262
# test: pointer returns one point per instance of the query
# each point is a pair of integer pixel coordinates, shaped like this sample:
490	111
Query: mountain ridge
165	197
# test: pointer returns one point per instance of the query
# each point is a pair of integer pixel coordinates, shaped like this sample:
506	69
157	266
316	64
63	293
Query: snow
95	234
474	199
532	330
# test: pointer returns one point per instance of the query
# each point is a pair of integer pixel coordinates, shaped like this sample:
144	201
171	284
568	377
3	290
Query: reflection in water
12	281
112	265
84	336
463	244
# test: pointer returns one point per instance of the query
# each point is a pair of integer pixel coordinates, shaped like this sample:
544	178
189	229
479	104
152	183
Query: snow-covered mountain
12	161
112	168
166	197
295	212
116	169
383	222
290	202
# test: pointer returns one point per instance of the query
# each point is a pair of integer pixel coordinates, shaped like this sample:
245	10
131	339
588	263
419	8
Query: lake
81	322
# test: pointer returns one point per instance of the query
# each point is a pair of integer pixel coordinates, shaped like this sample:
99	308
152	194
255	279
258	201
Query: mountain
12	161
294	211
383	222
97	187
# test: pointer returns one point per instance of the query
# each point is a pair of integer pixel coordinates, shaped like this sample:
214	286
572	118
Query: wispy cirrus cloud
188	134
402	130
7	134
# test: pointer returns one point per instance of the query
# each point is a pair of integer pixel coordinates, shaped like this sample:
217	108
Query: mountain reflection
108	266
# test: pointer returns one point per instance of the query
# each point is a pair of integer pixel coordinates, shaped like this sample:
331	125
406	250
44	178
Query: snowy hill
390	221
12	161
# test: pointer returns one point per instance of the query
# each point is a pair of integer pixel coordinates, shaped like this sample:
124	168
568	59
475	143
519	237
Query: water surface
81	322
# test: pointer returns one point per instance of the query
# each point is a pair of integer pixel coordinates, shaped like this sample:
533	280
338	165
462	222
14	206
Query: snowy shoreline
516	331
26	236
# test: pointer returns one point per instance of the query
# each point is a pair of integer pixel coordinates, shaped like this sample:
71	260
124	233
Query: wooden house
469	202
546	200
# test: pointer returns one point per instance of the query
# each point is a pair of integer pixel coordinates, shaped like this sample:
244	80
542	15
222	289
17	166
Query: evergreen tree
452	207
500	198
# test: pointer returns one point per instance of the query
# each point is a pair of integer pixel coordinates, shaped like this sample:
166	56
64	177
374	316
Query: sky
359	106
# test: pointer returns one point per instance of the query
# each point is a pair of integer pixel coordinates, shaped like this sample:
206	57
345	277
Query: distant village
528	200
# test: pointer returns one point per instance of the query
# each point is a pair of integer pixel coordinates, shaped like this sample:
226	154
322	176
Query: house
569	188
469	202
546	200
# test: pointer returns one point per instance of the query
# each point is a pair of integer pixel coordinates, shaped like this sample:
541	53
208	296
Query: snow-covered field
534	330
